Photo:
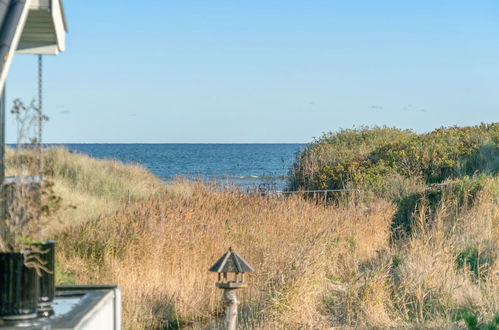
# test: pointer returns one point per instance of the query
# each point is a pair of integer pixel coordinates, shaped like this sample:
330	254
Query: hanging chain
40	112
40	115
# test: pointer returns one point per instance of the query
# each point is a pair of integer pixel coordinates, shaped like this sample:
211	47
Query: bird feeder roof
231	262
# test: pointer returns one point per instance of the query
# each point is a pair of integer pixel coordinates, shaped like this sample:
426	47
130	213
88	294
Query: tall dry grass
159	252
317	266
450	265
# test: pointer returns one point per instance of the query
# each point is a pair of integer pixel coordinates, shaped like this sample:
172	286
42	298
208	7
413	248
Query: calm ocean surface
247	165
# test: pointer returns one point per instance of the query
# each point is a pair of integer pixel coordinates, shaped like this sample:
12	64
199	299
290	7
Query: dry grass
108	179
316	267
159	252
89	187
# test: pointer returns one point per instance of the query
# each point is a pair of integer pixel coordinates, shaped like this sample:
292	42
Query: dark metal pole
3	202
2	136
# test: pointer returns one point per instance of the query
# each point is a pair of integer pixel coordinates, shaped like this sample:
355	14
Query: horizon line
62	143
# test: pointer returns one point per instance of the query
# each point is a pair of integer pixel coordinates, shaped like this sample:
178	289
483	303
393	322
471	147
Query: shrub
336	159
366	157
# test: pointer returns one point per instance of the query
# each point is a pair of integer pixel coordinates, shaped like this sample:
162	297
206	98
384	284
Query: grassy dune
317	266
88	187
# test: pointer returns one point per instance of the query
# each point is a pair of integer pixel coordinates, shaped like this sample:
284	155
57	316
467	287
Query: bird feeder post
231	262
231	303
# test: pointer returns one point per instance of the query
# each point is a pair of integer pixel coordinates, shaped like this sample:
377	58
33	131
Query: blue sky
264	71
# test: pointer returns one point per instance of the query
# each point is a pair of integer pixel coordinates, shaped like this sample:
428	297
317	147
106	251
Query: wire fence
315	191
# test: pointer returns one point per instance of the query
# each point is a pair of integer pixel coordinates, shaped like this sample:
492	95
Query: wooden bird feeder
231	262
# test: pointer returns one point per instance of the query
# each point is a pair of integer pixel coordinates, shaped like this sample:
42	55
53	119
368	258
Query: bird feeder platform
231	285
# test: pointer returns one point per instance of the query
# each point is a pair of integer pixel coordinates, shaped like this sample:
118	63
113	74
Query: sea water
247	165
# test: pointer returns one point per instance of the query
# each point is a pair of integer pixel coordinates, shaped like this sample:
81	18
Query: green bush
337	159
471	319
372	157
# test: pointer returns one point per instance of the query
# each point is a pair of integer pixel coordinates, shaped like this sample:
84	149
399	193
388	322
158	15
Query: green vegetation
317	266
385	158
413	170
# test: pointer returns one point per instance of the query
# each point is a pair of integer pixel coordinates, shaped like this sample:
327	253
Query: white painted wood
45	29
59	24
13	46
117	309
101	317
34	48
40	4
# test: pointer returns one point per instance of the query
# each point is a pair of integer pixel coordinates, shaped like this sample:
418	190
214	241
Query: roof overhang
13	14
45	29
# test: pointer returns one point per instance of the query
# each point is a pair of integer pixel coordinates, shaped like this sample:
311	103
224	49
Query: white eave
45	29
13	14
